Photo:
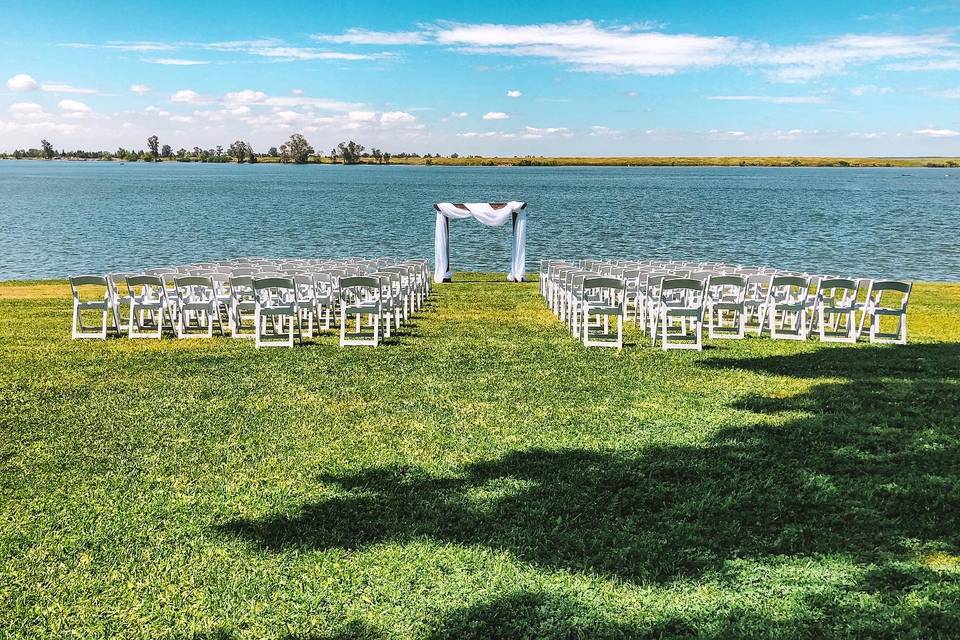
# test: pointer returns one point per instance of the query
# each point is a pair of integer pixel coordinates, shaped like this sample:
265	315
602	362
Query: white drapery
486	214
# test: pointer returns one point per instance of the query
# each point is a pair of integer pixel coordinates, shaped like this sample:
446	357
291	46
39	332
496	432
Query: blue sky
497	77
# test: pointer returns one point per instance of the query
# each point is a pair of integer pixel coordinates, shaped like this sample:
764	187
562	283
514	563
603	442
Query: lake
63	218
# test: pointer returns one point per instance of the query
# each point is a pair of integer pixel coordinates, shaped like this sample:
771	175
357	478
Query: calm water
58	219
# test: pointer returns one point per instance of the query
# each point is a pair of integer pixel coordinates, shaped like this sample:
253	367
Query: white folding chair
119	299
835	310
755	301
197	301
148	307
603	298
879	306
724	297
678	313
276	304
786	309
359	297
90	293
243	304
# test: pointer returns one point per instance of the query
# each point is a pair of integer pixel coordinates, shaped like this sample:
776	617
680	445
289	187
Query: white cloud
726	135
397	117
307	53
514	93
867	89
486	134
952	94
771	99
535	133
121	45
22	82
545	131
937	133
602	131
587	46
177	62
495	115
73	106
247	96
952	64
139	89
592	48
188	96
60	87
361	116
459	114
363	36
25	82
804	62
25	108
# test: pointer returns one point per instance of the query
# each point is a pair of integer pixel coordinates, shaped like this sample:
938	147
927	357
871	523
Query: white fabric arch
484	213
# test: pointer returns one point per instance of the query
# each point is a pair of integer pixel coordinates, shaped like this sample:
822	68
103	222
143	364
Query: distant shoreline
630	161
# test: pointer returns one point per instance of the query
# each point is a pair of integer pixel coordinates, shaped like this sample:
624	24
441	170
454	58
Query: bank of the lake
624	161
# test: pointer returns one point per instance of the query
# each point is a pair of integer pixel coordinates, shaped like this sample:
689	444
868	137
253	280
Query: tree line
296	150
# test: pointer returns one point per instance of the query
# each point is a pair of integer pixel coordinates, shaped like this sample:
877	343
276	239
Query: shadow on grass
867	466
522	614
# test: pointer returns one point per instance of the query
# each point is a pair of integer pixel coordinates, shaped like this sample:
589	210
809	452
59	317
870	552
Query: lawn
483	477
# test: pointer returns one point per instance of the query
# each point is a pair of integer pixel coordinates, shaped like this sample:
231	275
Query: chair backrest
99	287
241	288
145	287
682	284
727	288
728	281
613	284
895	286
304	283
789	289
272	282
184	282
842	290
359	282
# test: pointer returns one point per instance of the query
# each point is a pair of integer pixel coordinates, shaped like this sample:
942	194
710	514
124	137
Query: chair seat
197	306
683	312
363	308
94	304
279	310
601	310
726	306
847	309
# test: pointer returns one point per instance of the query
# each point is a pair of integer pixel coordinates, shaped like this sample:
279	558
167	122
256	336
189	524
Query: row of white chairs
672	301
270	301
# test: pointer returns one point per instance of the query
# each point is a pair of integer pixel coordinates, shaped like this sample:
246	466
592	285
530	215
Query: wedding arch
492	214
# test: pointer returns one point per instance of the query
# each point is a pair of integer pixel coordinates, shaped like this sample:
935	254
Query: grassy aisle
484	476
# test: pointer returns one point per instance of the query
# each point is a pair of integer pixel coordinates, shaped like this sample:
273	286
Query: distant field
656	161
482	477
717	161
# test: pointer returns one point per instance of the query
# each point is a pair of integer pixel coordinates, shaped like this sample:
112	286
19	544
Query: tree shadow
532	615
865	467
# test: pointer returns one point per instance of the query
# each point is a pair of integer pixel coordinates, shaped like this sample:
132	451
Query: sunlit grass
483	476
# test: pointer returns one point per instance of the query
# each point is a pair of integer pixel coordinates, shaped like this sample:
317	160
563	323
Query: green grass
483	477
